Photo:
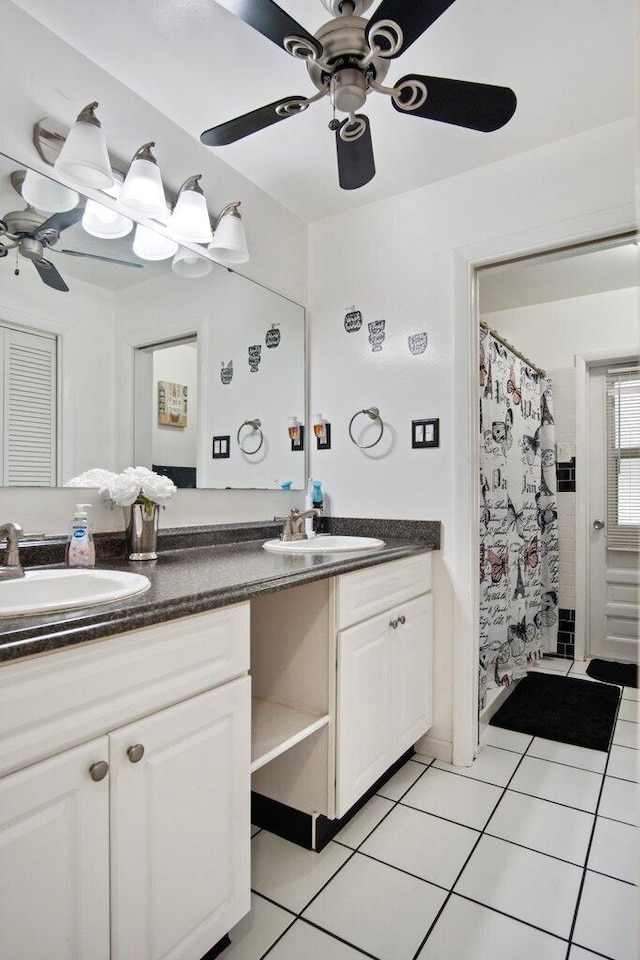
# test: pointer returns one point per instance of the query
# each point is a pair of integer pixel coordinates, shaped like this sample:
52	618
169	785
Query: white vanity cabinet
135	843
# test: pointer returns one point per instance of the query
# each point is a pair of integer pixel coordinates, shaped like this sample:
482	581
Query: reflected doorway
165	437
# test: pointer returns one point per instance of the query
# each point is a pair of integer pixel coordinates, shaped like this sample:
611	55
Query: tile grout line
464	865
593	830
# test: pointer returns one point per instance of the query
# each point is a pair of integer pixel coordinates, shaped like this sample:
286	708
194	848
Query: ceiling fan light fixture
83	159
149	245
47	195
190	218
229	244
188	264
142	190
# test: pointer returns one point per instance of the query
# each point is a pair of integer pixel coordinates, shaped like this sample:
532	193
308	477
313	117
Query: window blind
623	458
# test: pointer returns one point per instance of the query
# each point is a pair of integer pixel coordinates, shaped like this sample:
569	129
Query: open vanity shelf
276	728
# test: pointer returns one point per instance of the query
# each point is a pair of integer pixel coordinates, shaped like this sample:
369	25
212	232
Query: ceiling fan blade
412	16
61	221
96	256
356	165
271	21
50	275
479	106
251	122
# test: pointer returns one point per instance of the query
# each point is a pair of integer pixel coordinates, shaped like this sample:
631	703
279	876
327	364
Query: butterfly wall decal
512	390
499	565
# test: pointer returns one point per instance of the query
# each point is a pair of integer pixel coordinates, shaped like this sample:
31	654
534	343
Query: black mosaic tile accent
566	633
566	476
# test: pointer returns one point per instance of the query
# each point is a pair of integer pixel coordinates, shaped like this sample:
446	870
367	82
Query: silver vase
142	530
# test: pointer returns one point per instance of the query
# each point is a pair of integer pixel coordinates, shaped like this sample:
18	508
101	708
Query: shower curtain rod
513	349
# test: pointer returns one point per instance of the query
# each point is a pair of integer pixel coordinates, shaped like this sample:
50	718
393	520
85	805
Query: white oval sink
325	543
43	591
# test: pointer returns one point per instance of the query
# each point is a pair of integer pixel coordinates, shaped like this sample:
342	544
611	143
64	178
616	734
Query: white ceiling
570	63
545	281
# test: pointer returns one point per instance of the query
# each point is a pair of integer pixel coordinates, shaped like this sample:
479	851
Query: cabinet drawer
365	593
55	701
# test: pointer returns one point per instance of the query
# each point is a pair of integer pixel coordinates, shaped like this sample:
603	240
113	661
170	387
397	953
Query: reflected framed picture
172	404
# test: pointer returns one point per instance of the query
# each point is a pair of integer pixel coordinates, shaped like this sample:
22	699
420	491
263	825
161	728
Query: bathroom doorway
165	436
565	310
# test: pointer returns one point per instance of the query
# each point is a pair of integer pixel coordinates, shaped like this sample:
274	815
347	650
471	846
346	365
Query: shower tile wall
568	473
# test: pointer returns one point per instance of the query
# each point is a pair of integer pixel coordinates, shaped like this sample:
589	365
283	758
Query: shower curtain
518	517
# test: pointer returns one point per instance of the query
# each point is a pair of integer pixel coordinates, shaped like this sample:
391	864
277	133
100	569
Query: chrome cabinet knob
135	753
99	770
598	524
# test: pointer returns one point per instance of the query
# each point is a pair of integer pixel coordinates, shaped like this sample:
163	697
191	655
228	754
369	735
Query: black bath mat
579	712
624	674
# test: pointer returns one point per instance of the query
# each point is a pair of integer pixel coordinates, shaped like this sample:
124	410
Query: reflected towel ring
374	414
256	427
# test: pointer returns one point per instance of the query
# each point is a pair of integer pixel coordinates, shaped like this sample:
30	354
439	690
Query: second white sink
43	591
325	543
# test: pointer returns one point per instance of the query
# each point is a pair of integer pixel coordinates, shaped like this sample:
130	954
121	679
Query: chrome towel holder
374	414
256	427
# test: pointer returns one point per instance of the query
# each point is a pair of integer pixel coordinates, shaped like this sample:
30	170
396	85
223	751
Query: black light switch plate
221	448
425	433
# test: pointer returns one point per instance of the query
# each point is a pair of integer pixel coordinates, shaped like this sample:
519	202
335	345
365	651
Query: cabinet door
54	859
363	690
411	673
179	821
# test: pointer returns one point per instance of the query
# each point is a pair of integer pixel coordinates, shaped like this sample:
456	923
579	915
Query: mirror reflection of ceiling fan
347	59
30	233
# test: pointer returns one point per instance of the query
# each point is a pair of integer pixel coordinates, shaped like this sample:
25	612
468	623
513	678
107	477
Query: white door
54	858
412	672
613	615
180	806
364	686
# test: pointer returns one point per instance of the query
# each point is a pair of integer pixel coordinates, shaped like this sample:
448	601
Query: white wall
404	260
85	326
175	446
53	79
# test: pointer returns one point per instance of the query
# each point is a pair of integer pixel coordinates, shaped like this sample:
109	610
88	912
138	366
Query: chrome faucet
11	568
293	528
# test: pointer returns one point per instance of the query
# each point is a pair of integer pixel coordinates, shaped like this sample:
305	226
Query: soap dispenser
81	551
313	500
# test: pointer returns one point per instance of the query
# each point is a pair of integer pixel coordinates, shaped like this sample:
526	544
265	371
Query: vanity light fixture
142	191
294	428
188	264
190	218
229	244
149	245
83	158
47	195
103	222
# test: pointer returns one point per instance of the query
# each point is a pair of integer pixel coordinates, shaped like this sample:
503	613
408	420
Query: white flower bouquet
138	485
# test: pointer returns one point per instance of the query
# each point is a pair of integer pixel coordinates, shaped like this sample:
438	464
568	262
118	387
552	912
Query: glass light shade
105	223
84	159
190	218
229	242
186	263
47	195
149	245
142	190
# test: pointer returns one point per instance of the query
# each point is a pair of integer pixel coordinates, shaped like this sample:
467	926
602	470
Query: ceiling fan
346	60
30	233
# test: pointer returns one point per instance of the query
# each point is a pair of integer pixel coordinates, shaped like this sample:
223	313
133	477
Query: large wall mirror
200	377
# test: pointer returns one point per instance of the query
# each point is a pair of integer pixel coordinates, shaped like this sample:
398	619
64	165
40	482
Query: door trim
583	364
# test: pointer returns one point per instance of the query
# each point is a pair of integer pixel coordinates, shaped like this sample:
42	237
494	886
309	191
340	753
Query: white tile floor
531	853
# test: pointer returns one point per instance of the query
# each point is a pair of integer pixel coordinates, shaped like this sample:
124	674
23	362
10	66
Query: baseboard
433	747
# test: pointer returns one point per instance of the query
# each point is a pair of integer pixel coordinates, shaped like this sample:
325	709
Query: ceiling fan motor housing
344	44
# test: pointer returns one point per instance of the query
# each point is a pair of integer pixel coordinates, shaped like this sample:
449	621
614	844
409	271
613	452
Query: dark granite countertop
193	579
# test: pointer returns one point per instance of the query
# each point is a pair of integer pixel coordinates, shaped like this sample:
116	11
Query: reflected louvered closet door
28	409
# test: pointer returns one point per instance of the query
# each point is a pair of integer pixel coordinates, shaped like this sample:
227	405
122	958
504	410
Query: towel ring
256	427
374	414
